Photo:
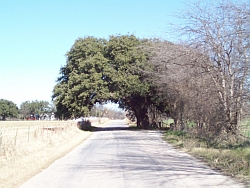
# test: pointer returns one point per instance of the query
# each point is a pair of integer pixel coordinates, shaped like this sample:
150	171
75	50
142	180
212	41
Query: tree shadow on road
154	162
114	128
95	128
87	126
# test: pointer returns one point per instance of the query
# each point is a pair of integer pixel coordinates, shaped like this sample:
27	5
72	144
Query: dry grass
28	147
22	138
233	160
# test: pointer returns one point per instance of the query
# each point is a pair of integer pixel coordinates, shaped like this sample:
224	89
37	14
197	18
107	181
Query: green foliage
167	122
99	70
116	70
246	127
8	109
83	81
35	107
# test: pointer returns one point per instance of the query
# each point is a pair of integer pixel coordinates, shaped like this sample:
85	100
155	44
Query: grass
21	158
17	137
233	160
22	124
246	127
166	123
27	147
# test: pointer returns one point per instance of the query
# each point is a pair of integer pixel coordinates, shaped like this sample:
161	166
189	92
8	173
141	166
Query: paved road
114	157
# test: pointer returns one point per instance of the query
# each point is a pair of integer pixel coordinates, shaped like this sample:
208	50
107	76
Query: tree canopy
40	108
205	79
100	70
202	81
8	109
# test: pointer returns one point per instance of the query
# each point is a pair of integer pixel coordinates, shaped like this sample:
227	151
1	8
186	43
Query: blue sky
36	34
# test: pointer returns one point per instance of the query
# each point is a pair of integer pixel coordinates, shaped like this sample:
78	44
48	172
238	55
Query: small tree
8	109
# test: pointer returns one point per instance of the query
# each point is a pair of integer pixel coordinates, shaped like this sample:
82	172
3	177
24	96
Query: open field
16	132
21	124
27	147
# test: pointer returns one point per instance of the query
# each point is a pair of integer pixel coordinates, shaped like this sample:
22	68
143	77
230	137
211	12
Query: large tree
84	78
184	87
129	81
99	70
206	77
8	109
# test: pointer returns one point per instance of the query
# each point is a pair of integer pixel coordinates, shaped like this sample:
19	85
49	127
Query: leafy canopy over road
100	70
202	82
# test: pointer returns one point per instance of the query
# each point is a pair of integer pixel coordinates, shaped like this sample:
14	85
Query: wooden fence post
29	134
16	136
0	141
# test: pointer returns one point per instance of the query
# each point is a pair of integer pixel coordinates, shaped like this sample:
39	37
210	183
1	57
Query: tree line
29	110
202	82
43	110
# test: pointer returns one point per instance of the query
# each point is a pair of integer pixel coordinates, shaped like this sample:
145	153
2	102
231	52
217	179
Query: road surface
118	158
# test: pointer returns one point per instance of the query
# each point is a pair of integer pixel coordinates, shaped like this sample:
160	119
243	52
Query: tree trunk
142	118
140	108
176	124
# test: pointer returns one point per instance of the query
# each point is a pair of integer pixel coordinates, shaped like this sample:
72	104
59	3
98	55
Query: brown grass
28	147
233	161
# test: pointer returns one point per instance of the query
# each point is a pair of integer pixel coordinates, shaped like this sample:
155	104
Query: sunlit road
115	157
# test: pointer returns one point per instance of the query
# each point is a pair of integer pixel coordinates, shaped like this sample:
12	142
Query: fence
15	141
22	137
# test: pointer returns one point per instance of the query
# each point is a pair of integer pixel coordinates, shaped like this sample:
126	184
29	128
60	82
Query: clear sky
36	34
